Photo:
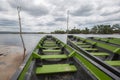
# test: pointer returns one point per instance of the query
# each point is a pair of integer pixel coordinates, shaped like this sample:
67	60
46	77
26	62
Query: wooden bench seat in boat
90	49
80	43
99	54
49	42
85	46
50	50
113	63
55	68
46	47
62	56
57	56
51	47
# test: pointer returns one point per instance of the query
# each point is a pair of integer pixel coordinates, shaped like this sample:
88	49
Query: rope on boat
19	18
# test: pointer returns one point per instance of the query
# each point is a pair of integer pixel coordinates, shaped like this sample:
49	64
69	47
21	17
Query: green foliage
97	29
58	32
116	28
102	29
85	31
74	31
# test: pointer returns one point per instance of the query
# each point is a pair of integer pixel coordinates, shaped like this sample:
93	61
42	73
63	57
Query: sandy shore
10	60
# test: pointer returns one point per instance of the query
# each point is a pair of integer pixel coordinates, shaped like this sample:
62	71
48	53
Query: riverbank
10	60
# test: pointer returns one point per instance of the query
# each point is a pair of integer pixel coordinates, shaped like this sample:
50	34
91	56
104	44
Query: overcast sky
50	15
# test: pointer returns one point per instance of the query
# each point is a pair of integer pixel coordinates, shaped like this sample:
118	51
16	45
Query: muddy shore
10	59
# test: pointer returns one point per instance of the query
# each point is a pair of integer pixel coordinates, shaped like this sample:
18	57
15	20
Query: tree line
97	29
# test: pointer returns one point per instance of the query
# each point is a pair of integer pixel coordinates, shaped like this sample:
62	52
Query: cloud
60	19
6	22
49	15
40	24
1	9
30	8
84	10
36	11
110	10
50	24
46	24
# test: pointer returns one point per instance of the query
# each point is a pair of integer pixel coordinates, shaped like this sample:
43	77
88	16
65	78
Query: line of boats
90	58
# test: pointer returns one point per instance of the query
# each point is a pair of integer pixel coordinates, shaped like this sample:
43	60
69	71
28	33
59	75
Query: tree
85	31
116	28
74	31
102	29
58	32
94	30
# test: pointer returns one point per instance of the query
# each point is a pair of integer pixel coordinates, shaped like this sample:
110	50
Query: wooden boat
108	40
53	60
102	53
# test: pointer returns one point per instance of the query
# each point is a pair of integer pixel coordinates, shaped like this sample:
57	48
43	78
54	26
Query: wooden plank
113	63
90	49
49	50
55	68
62	56
99	54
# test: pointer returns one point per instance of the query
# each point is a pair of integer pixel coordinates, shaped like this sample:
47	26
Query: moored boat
104	54
53	60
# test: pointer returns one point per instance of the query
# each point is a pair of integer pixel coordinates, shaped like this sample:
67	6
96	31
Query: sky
50	15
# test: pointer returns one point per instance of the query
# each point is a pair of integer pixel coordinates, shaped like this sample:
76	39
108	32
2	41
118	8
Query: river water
32	39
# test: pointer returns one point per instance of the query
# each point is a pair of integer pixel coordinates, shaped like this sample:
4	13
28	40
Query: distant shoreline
39	33
23	33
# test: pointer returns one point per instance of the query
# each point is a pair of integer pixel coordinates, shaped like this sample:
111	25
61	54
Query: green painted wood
49	45
71	54
111	40
90	49
113	63
115	41
80	43
62	56
100	44
117	51
50	50
99	54
52	47
100	75
55	68
85	46
49	42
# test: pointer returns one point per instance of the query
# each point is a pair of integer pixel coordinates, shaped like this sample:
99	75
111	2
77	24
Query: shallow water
32	39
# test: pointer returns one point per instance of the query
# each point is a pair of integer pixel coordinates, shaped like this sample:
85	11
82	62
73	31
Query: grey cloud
6	22
50	24
109	13
60	19
46	24
36	11
85	10
30	8
1	9
40	24
107	20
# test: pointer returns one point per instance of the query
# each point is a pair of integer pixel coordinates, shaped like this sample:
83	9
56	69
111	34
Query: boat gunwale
112	69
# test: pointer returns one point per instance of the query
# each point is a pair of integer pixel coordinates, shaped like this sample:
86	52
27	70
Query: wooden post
19	18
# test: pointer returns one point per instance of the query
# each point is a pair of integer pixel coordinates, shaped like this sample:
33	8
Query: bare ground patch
10	59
